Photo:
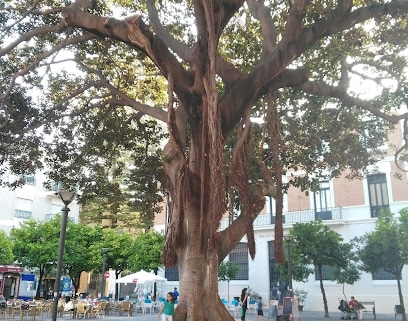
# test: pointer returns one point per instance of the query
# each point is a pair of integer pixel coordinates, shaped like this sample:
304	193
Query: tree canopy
315	247
147	252
6	249
83	82
385	249
36	246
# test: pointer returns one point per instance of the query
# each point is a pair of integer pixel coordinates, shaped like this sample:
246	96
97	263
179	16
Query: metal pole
61	245
290	269
104	251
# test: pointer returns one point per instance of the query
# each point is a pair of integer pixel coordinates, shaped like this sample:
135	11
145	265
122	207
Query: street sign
107	274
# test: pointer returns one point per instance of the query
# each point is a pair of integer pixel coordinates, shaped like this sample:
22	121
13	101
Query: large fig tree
83	81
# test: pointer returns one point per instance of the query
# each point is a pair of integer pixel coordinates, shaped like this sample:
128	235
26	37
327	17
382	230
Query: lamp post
104	251
66	197
288	238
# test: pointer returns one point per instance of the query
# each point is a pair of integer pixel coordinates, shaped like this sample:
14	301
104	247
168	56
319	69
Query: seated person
69	306
354	306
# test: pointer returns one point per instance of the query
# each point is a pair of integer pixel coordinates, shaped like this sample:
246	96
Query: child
167	308
259	306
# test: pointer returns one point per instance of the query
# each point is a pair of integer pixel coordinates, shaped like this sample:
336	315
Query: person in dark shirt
176	294
259	308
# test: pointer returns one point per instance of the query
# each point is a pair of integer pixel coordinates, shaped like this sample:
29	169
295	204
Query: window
23	208
23	214
239	256
172	274
377	193
383	275
56	186
322	201
326	273
50	216
29	179
373	134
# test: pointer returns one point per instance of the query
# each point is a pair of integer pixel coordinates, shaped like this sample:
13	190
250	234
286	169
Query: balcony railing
376	210
329	214
23	214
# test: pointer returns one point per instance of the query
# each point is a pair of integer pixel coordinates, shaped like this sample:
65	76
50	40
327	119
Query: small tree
386	248
300	295
36	246
314	244
227	271
347	275
147	253
121	248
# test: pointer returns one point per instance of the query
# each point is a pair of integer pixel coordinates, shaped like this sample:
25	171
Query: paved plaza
304	316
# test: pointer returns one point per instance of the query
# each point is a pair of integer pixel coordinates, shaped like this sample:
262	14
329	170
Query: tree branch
324	90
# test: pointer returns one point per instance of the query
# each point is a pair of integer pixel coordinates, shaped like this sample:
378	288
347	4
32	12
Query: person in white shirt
69	305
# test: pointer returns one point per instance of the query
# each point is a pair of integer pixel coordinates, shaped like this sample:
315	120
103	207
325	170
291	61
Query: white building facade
348	207
31	201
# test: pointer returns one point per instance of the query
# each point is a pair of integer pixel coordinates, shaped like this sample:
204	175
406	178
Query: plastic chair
252	306
126	306
234	307
26	311
148	304
81	310
4	311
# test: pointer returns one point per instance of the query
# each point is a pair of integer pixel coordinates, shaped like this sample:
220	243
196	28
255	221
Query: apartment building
31	201
348	207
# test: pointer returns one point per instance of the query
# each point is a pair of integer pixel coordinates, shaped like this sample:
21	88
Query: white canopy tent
141	281
141	277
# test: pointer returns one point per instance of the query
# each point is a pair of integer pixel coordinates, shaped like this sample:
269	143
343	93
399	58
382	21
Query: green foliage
252	295
121	248
386	247
82	250
147	251
36	246
227	271
320	129
322	76
6	249
314	246
301	295
36	243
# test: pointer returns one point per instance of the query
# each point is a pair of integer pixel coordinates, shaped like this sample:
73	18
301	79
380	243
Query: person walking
259	309
167	309
243	302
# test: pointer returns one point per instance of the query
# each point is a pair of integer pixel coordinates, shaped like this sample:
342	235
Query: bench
369	306
398	311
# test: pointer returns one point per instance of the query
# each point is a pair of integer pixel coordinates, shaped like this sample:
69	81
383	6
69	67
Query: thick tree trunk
199	272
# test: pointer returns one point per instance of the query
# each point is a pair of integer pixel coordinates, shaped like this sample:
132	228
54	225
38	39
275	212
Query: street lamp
66	197
288	238
104	251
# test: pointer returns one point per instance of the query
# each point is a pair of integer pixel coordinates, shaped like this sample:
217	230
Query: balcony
376	210
265	220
